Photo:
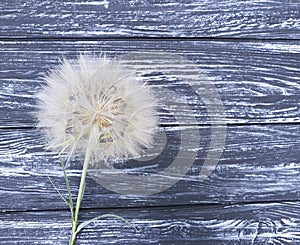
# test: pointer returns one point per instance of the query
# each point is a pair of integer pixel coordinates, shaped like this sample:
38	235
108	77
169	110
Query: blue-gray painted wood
259	163
138	18
270	223
255	68
257	82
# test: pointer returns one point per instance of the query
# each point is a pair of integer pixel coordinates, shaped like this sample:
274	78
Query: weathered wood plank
259	163
168	18
271	223
257	82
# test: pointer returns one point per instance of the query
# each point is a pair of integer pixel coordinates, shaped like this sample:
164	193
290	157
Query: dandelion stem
80	193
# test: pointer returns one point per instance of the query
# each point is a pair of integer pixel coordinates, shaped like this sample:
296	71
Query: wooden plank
259	163
168	18
271	223
257	82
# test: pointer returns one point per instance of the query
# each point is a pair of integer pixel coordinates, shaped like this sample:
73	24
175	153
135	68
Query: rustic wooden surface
251	52
166	18
266	223
257	81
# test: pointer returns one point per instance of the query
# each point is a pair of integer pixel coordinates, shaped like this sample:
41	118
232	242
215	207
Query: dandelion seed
99	98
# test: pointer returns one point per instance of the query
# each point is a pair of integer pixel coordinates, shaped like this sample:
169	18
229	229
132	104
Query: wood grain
137	18
250	52
271	223
259	163
257	82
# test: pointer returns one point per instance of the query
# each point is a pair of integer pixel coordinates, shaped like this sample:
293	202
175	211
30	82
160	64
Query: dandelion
101	99
95	107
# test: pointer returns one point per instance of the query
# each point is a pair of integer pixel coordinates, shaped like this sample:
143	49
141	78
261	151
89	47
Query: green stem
80	194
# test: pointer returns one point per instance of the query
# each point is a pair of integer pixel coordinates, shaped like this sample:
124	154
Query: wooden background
250	49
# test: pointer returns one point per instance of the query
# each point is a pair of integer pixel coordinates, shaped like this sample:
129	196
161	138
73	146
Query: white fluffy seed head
97	100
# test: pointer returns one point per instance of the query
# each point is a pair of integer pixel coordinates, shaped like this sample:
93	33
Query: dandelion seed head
99	99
